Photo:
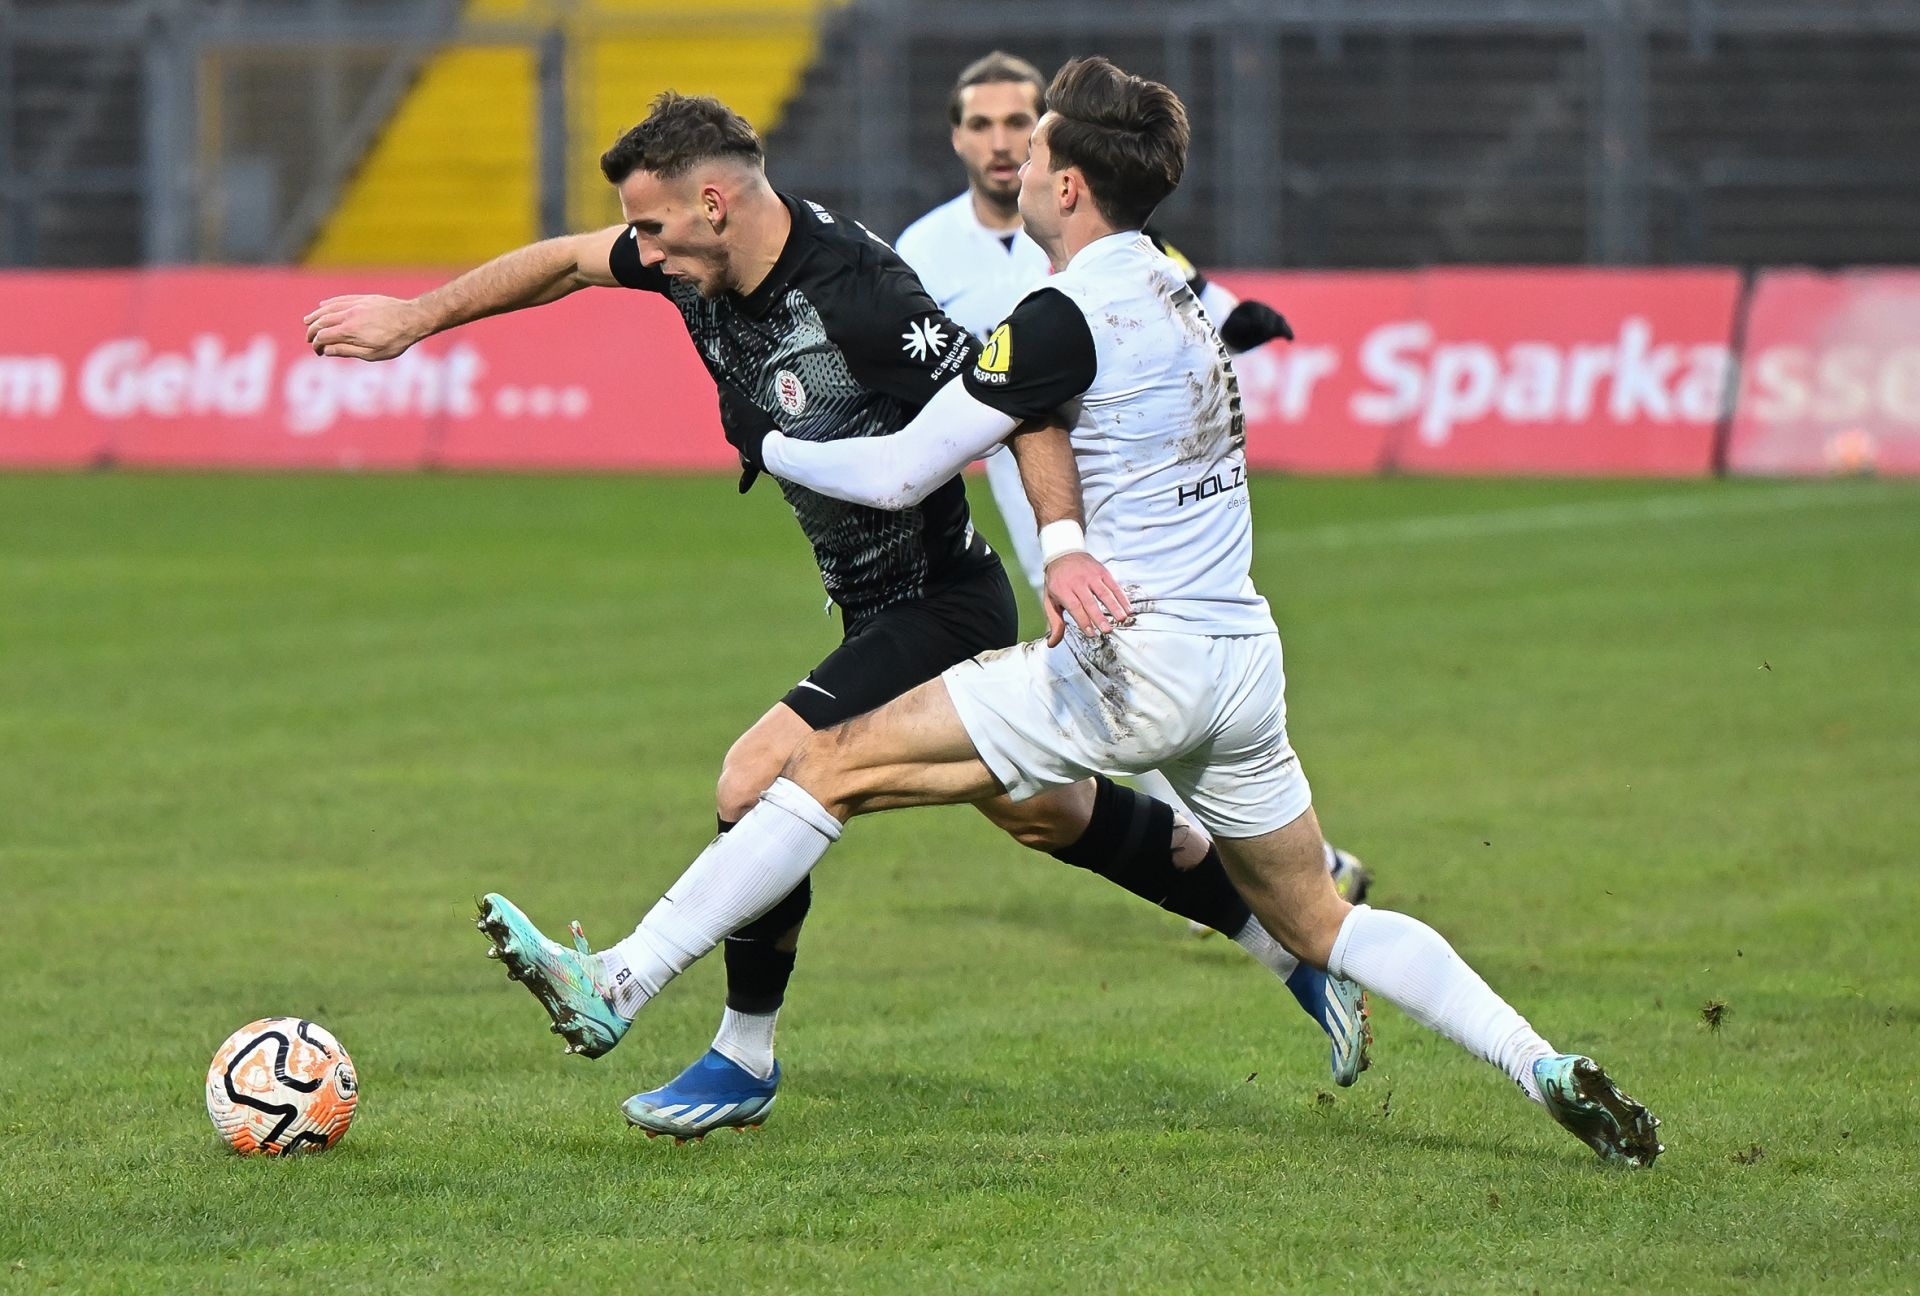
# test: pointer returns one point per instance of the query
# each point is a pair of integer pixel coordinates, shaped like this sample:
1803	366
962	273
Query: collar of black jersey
774	286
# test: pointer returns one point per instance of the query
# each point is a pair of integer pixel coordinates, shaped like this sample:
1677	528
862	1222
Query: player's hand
745	427
1078	585
364	326
1252	324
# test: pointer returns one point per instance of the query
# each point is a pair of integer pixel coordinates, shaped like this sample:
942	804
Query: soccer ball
1852	451
279	1085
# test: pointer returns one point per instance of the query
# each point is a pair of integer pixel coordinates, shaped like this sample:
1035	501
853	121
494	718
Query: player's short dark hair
1127	135
680	132
997	68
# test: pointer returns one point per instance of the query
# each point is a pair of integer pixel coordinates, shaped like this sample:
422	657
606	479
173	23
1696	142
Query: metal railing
198	187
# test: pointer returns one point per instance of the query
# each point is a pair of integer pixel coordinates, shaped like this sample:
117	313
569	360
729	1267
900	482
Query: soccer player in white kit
1176	662
976	261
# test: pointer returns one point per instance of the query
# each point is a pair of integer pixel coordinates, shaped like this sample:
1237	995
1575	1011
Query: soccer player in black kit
809	322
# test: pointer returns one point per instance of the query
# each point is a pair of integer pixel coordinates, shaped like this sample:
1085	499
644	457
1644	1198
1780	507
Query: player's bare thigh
913	751
1051	821
1283	875
756	759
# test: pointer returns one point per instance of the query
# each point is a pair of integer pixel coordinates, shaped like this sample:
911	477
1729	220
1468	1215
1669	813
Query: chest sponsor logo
787	389
924	339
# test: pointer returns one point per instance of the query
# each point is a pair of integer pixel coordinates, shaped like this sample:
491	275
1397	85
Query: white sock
746	1040
739	876
1410	965
1257	941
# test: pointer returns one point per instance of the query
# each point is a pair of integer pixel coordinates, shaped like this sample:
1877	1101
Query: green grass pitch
1635	747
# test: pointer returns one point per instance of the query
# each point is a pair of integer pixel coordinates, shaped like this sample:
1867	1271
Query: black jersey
839	341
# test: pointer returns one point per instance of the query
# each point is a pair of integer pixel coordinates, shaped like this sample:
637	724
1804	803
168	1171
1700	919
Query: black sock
757	968
1129	841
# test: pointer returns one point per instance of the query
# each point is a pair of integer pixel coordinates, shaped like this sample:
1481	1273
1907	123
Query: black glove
1252	324
746	427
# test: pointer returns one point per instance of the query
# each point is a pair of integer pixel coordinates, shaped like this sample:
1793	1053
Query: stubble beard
1006	203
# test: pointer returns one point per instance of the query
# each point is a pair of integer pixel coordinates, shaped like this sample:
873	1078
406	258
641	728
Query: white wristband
1058	539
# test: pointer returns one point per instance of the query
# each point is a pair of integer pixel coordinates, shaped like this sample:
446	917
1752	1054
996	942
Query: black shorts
888	652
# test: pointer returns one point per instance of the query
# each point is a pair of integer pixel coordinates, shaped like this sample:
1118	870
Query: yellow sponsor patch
999	351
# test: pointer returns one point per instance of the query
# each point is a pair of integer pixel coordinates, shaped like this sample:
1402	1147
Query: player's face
991	139
674	226
1039	206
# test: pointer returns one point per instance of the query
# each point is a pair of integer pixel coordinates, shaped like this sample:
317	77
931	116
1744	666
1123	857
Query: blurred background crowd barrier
1432	142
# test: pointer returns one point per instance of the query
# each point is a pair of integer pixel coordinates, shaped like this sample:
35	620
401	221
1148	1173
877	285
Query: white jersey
1119	343
977	276
974	274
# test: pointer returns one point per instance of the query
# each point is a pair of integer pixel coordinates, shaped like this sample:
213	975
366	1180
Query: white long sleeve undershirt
899	470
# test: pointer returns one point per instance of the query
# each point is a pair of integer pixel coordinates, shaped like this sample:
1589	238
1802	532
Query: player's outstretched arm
367	326
1076	584
896	471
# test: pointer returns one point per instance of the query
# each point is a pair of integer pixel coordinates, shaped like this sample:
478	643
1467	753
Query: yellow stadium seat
453	179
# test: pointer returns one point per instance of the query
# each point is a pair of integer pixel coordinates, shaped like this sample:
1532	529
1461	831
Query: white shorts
1209	713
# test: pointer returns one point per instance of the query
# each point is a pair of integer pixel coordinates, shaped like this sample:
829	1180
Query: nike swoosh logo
815	687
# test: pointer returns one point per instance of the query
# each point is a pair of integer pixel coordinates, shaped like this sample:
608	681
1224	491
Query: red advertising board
1299	396
1441	371
1831	381
1492	371
213	370
601	380
210	368
48	324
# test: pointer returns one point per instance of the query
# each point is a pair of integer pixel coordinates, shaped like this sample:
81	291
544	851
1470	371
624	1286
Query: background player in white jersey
1188	676
975	259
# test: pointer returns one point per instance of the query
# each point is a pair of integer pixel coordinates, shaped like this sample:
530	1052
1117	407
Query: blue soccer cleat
572	984
1340	1007
714	1093
1578	1094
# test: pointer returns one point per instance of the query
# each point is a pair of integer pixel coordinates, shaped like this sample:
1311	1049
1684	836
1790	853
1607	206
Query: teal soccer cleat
1578	1094
1349	1028
714	1093
571	984
1340	1007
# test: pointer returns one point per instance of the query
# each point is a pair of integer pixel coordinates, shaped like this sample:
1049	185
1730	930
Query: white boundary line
1595	513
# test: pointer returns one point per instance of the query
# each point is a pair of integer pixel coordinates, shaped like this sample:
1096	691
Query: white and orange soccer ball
1854	451
279	1085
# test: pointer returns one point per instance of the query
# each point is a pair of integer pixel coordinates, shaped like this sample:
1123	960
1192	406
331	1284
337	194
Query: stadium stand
70	106
1770	139
1411	148
453	178
1785	147
749	53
